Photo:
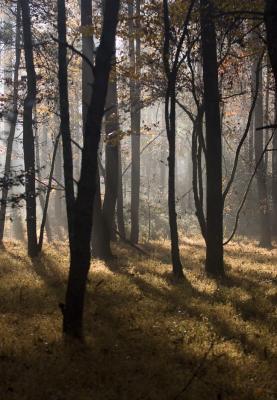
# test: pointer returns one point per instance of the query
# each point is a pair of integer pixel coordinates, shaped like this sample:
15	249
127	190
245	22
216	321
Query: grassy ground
147	338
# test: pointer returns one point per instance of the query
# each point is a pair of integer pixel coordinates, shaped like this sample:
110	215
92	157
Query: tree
270	17
171	73
134	55
101	234
28	135
13	121
64	117
214	227
263	204
82	225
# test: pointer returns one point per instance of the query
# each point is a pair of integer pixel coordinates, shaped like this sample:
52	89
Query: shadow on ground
146	337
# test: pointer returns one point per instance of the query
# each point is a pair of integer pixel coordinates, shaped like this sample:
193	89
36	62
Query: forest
138	199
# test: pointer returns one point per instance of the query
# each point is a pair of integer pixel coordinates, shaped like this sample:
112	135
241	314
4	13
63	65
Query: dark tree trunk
13	121
134	54
87	50
175	253
271	29
214	236
65	121
197	180
263	206
170	121
100	239
274	178
80	249
170	116
28	135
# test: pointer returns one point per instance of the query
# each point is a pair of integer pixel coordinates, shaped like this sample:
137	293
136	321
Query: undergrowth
146	337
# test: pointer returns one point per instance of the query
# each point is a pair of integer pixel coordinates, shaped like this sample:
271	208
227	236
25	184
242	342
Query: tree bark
44	209
120	201
13	121
80	250
214	235
48	193
271	30
170	121
134	55
263	206
28	135
65	121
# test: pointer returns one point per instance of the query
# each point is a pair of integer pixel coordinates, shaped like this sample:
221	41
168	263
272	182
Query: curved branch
248	189
244	136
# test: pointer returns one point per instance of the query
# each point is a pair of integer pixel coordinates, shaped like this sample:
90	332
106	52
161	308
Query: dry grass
145	335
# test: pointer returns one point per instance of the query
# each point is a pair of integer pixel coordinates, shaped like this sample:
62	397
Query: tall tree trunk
87	50
251	128
214	233
134	54
265	233
40	188
170	116
100	239
274	178
80	249
13	121
65	121
58	198
271	29
170	121
28	135
120	202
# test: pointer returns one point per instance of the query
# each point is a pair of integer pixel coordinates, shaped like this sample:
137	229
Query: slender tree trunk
65	121
265	233
13	121
58	198
251	128
87	50
214	237
48	193
28	135
80	249
134	54
120	202
40	187
170	121
197	180
170	117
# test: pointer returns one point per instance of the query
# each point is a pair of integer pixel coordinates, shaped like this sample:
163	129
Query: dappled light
145	337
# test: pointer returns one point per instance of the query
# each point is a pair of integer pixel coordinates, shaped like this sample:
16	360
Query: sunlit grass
145	335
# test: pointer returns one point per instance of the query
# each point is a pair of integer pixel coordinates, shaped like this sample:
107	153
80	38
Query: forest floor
147	338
